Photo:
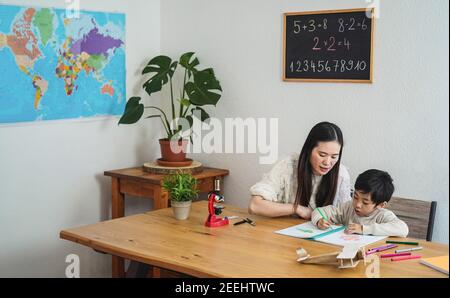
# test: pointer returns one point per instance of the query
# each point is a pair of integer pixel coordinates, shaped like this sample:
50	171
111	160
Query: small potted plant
199	88
182	188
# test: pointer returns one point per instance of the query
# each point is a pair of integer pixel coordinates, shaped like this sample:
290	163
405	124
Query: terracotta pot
173	150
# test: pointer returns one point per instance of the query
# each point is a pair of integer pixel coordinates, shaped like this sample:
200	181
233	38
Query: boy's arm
333	213
387	225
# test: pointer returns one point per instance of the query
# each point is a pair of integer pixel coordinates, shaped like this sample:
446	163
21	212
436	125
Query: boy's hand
354	229
323	224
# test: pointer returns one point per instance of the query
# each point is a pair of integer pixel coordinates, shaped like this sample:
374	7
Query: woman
299	184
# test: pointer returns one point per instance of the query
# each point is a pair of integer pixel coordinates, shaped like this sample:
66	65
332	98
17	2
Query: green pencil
324	217
402	242
321	214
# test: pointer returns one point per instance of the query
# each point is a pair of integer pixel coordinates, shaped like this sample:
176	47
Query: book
307	230
437	263
335	235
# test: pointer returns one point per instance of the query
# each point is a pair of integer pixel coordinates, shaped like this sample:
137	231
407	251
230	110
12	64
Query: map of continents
53	66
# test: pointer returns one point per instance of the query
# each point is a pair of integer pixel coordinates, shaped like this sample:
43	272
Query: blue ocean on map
57	67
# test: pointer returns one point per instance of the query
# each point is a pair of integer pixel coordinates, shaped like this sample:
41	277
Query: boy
366	213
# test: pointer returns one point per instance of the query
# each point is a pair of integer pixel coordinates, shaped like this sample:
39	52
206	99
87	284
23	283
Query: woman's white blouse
280	184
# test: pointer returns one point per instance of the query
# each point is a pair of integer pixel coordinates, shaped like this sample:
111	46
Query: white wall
399	123
51	173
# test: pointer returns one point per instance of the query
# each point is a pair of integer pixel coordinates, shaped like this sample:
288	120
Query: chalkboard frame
372	14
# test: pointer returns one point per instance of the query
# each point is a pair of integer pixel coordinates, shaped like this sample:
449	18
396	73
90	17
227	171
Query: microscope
214	209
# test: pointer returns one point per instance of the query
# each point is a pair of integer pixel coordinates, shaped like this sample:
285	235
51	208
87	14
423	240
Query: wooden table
187	246
137	182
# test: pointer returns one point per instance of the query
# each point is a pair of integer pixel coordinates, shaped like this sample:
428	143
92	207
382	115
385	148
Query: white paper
336	238
342	239
299	231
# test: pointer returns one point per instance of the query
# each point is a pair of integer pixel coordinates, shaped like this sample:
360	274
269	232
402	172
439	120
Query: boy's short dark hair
377	183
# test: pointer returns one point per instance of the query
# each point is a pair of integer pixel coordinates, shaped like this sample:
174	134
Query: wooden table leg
160	199
156	273
117	210
118	267
117	203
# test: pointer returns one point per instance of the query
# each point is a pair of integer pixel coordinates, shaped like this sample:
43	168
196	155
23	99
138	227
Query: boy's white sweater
380	222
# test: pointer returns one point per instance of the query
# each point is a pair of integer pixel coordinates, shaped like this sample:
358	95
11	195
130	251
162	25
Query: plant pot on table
173	151
181	210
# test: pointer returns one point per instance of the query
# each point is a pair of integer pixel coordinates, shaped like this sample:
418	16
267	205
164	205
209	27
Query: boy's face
363	204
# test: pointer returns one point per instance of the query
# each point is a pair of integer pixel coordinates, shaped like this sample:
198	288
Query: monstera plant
199	88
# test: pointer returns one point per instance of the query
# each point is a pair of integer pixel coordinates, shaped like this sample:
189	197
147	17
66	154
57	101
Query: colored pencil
371	252
406	258
384	247
324	218
409	249
323	215
396	255
402	242
387	247
378	249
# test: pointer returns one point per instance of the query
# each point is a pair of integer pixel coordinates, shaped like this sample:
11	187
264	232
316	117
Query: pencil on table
323	216
402	242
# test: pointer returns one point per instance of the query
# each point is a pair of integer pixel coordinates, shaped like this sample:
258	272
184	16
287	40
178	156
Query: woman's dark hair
321	132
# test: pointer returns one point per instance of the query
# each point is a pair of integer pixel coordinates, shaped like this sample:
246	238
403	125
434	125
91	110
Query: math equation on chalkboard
331	46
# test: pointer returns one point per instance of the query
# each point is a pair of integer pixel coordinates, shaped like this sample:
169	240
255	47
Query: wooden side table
137	182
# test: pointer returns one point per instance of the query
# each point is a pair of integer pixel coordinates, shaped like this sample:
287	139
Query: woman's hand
354	229
323	224
303	212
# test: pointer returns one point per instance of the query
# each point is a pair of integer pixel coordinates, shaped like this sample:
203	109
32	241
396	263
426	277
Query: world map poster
55	65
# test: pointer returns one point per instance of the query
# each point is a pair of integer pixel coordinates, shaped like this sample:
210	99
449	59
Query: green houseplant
199	88
182	188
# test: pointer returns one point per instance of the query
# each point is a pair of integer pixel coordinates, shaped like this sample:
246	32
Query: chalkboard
331	46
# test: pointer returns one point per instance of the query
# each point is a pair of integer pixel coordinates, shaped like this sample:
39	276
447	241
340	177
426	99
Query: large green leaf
190	120
205	88
200	114
133	111
187	62
163	67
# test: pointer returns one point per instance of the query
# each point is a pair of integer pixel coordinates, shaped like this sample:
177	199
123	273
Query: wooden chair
418	215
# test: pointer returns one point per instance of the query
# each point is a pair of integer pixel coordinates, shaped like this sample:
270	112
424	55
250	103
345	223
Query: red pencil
406	258
396	255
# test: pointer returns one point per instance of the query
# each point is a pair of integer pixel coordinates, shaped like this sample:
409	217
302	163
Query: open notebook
437	263
334	235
